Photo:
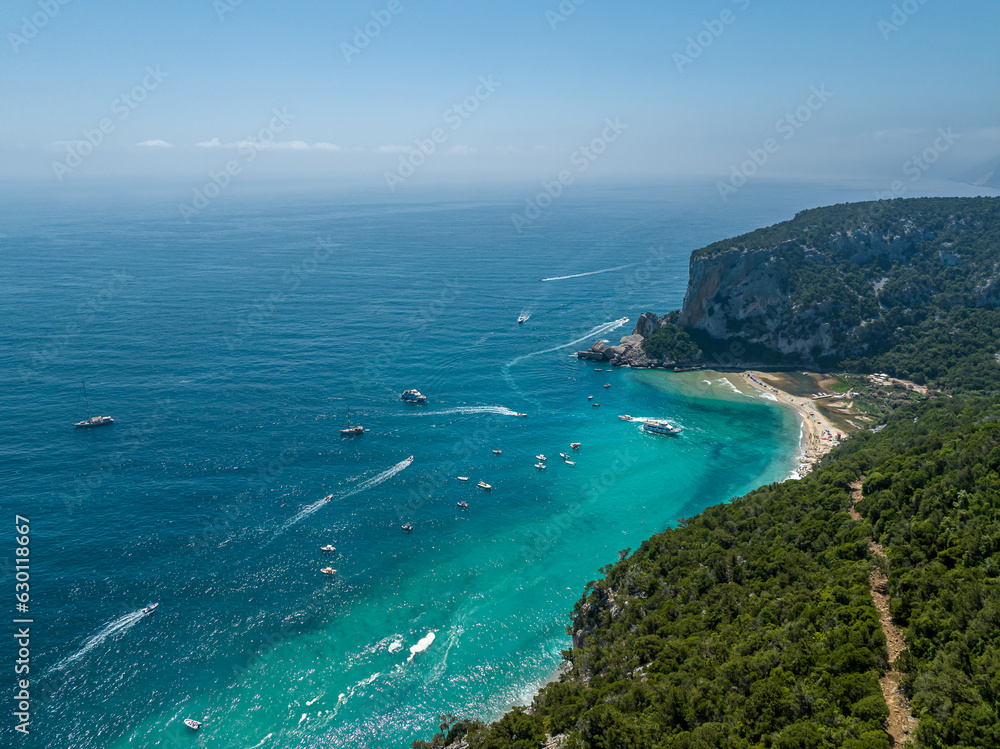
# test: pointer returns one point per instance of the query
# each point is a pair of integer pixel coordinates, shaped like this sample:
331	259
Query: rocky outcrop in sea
629	352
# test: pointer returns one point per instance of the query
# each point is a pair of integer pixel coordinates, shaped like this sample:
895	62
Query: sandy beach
819	434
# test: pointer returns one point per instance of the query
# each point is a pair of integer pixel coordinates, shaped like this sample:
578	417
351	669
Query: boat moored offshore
413	396
661	426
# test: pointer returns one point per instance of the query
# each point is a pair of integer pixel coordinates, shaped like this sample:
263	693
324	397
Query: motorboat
590	397
570	463
413	396
522	319
150	608
541	457
522	415
596	405
463	478
624	417
540	466
351	431
328	497
564	456
92	421
328	547
484	486
497	451
575	445
464	505
193	724
660	426
408	527
329	571
607	384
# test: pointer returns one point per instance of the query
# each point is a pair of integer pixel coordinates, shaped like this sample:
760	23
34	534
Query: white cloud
156	143
270	145
895	133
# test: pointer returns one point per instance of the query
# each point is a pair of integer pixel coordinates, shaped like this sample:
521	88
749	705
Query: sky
429	90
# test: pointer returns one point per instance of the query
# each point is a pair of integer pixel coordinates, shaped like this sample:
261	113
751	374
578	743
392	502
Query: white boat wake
466	410
596	331
123	624
363	486
525	315
591	273
422	644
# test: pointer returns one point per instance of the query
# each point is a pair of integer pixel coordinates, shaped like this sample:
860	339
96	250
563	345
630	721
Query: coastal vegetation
752	625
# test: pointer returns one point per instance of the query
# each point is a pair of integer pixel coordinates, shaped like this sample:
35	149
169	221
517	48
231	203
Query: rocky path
901	723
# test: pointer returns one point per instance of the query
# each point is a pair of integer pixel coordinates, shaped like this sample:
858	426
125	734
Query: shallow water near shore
228	350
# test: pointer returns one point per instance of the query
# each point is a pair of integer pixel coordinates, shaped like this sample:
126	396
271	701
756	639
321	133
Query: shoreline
818	433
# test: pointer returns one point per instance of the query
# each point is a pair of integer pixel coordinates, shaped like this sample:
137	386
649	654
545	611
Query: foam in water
122	624
367	484
591	273
422	644
596	331
467	410
262	741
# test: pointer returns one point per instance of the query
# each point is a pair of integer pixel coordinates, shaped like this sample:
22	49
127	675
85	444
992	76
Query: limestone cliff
843	280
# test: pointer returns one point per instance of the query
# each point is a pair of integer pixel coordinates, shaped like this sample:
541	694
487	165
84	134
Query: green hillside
752	626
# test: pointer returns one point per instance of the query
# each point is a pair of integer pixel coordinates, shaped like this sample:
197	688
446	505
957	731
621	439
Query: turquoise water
227	351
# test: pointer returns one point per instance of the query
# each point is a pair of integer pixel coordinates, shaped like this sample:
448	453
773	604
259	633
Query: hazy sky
691	87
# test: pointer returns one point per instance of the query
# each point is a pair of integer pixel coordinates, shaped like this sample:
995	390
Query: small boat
351	431
413	396
92	421
596	405
328	497
497	451
607	384
464	505
150	608
624	417
463	478
590	397
522	319
540	466
408	527
541	457
660	426
193	724
575	445
522	415
484	486
564	456
328	547
570	463
329	571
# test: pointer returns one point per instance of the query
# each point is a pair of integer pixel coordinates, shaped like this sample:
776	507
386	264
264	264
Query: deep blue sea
228	350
